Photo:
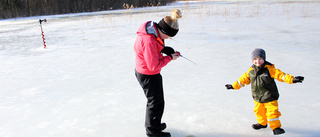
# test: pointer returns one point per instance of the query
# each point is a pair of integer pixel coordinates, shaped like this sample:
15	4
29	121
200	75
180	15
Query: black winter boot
161	134
163	126
278	131
258	126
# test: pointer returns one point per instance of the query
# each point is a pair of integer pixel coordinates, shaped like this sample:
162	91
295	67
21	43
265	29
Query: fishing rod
169	50
186	58
40	21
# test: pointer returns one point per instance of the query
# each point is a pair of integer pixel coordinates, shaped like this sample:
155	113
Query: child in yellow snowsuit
261	76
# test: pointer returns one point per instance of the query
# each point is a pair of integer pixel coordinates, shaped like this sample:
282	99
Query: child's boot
161	134
163	126
278	131
258	126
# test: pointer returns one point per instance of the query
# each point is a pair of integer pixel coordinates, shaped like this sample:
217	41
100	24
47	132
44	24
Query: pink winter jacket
149	60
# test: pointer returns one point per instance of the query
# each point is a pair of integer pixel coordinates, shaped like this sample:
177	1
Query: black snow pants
153	90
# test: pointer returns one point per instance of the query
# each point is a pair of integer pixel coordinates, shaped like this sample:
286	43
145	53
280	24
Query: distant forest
26	8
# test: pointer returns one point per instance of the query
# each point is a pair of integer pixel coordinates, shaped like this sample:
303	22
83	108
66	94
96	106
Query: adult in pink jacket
149	49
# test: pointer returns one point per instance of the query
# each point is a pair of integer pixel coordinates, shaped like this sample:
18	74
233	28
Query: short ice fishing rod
40	21
169	50
186	58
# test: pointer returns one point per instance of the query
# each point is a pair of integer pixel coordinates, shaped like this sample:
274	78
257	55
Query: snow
83	83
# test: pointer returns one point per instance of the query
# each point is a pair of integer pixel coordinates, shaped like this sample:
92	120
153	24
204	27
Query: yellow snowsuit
264	91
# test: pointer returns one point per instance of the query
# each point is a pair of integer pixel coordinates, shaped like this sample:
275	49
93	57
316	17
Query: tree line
26	8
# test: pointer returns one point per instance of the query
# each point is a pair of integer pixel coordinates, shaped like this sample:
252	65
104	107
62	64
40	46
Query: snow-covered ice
83	83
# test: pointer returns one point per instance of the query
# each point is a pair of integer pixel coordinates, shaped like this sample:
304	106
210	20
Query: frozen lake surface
83	83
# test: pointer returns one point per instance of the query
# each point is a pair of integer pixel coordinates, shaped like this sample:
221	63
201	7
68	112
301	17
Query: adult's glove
229	86
298	79
168	51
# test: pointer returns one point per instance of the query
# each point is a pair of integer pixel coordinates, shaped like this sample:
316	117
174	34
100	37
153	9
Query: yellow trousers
268	112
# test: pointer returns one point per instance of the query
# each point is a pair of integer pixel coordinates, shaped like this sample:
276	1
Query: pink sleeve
153	58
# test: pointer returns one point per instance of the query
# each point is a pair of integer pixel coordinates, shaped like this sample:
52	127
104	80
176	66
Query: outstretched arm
241	82
283	77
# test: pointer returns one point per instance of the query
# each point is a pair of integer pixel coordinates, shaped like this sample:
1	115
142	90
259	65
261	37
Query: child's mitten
229	86
298	79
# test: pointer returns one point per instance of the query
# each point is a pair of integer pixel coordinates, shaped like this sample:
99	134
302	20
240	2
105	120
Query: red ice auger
43	20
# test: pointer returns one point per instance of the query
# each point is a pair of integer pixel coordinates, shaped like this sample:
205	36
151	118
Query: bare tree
24	8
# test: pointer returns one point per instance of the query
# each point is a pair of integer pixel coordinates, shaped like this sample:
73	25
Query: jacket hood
147	28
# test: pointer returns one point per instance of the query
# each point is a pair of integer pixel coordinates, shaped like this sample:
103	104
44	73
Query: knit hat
166	29
169	24
258	52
